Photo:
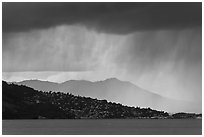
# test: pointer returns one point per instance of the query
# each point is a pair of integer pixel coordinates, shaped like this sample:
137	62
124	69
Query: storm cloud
157	46
121	18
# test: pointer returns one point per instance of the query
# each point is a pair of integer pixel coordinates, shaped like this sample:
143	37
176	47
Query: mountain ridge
112	89
108	79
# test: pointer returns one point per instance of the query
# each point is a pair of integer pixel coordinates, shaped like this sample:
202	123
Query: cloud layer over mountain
157	46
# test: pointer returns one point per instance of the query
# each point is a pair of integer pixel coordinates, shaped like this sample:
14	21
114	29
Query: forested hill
21	102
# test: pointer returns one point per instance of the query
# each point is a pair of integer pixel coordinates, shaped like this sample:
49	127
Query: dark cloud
157	47
108	17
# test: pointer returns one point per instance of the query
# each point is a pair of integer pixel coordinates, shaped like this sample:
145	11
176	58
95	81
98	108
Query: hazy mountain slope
39	85
110	89
114	90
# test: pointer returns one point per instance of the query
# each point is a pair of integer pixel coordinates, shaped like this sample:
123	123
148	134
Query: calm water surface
103	127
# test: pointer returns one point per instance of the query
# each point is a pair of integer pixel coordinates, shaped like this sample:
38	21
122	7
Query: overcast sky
157	46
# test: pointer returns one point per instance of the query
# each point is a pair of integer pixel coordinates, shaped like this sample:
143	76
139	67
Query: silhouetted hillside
21	102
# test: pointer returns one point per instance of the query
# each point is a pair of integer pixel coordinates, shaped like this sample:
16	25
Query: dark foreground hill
21	102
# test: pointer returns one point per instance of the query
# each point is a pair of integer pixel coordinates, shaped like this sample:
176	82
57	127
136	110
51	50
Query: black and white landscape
117	62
